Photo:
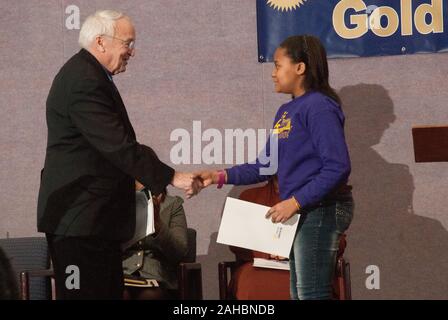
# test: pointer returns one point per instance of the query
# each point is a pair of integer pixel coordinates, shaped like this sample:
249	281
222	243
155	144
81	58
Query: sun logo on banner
285	5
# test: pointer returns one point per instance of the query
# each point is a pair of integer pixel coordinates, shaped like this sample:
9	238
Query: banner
355	28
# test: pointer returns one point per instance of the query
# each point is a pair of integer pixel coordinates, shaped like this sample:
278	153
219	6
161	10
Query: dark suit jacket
92	158
158	256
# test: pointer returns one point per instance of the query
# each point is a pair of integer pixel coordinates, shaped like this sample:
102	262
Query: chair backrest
29	254
9	290
191	239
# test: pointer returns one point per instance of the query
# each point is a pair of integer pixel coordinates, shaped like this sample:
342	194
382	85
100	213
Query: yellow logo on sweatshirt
285	5
283	126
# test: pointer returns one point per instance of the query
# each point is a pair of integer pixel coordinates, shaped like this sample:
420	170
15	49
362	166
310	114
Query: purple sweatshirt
313	157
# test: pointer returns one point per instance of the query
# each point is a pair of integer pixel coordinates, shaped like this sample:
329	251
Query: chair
341	282
189	273
30	254
9	290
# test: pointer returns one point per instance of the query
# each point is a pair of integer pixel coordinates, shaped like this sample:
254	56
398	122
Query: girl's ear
300	68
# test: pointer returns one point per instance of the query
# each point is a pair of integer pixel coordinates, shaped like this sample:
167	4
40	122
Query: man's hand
282	211
187	182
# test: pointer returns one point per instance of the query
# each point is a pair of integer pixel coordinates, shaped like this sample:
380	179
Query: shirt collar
108	73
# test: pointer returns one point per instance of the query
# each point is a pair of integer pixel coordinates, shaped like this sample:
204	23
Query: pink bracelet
221	178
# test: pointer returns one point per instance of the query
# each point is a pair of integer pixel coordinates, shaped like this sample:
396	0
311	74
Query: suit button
139	254
138	264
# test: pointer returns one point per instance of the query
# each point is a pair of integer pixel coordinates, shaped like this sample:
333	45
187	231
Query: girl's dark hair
309	50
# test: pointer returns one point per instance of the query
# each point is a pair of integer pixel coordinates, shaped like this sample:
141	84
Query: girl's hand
209	177
279	258
282	211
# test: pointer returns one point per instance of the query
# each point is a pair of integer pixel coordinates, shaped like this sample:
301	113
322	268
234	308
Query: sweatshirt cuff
302	199
232	176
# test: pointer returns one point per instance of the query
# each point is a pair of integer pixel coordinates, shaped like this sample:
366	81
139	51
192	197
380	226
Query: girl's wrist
221	178
215	177
296	203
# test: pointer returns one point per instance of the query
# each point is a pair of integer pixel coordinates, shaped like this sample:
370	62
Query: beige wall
197	60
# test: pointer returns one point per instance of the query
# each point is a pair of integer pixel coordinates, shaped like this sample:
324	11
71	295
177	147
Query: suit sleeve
94	114
251	173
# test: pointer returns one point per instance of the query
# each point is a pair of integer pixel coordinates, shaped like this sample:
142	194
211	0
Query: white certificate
144	218
244	225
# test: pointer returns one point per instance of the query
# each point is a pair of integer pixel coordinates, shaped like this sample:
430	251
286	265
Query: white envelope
144	218
271	264
244	225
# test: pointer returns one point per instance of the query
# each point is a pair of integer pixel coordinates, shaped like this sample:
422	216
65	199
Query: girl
313	165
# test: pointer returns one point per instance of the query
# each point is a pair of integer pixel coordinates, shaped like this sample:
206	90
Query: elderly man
86	202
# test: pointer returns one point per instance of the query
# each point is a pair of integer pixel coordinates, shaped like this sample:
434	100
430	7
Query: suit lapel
122	110
113	89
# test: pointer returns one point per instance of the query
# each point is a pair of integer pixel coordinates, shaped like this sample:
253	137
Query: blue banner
355	28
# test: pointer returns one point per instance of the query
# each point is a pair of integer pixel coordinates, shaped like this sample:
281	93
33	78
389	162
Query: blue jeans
314	252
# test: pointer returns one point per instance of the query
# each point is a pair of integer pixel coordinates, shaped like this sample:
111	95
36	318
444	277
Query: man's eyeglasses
128	44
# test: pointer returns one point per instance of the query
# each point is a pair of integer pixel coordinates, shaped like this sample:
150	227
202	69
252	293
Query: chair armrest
348	285
38	273
190	281
25	281
190	266
343	278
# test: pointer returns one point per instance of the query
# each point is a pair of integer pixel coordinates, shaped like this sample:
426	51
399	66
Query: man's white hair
101	22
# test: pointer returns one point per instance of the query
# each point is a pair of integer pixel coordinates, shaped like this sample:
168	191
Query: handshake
193	182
